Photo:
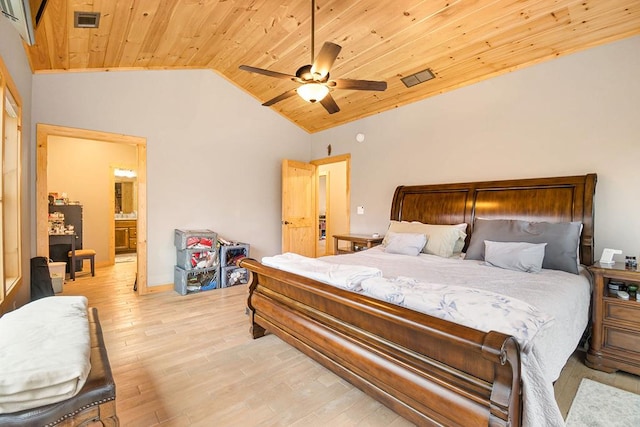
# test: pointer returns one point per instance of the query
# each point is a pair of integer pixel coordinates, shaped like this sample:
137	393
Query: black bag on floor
41	285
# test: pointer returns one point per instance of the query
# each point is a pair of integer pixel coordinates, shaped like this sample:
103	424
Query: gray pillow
405	243
562	238
517	256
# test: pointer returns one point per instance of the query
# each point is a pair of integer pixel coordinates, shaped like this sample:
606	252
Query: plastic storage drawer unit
190	259
191	281
230	254
231	276
195	239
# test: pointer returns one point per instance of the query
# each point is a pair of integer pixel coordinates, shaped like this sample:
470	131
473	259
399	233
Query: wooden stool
82	254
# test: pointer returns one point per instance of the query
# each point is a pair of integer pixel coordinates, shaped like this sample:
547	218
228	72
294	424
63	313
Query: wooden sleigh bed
430	371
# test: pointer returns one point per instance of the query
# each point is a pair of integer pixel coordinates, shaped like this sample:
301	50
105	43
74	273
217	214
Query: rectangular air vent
417	78
86	19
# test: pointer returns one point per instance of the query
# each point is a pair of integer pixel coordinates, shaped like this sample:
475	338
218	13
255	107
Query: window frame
9	286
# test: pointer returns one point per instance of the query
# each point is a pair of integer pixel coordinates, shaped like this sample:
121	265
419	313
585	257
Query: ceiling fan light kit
315	85
313	92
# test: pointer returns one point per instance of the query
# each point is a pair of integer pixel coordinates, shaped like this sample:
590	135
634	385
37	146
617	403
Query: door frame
346	158
43	132
327	210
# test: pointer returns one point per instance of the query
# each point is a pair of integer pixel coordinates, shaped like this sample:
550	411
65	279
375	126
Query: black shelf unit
72	216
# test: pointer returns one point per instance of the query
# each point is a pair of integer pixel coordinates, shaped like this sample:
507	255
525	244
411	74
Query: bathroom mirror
125	196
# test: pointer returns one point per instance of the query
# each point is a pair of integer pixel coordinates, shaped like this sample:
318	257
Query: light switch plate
360	210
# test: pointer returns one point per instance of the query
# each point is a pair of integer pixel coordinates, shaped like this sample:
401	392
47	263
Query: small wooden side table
357	242
615	342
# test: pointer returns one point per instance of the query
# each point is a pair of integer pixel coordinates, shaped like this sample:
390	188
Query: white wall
570	116
213	152
15	59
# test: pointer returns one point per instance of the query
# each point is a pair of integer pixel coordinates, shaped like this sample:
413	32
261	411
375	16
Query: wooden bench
96	402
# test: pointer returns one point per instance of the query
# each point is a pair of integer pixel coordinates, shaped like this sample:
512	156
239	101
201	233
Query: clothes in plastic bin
57	269
231	276
190	281
195	239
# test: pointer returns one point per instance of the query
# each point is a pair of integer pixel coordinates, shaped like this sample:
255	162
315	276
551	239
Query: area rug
126	258
600	405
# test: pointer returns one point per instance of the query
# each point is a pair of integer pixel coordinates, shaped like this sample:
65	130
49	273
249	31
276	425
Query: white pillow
442	240
457	248
405	243
517	256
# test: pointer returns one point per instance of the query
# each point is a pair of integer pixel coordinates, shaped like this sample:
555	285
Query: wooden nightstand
357	242
615	341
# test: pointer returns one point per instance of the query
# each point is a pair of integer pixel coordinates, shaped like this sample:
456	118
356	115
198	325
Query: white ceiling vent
86	19
417	78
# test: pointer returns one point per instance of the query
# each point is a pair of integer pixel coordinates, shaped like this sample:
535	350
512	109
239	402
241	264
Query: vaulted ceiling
461	41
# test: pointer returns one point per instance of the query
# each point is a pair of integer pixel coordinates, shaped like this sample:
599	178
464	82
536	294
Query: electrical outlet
360	210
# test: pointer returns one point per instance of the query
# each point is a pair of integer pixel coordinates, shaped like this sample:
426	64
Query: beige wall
569	116
82	169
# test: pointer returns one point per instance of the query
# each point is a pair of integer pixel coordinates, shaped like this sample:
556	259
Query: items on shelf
56	223
65	221
61	199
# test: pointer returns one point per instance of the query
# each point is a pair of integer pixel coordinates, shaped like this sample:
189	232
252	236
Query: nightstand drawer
624	311
621	339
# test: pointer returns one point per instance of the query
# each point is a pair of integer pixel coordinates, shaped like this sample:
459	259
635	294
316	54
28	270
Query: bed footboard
428	370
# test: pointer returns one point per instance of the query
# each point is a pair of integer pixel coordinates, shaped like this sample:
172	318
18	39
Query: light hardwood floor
190	361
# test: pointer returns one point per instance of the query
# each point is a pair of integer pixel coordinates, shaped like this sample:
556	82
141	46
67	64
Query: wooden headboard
560	199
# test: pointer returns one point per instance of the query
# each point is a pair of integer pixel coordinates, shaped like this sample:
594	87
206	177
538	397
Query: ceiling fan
314	80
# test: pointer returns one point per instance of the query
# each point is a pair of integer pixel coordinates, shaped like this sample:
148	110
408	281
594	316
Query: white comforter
341	275
44	352
557	295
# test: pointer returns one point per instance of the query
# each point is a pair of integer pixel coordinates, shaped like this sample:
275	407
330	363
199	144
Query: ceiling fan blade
287	94
266	72
325	59
329	104
358	84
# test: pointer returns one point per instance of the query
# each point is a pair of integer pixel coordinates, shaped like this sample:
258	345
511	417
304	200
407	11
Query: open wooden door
299	222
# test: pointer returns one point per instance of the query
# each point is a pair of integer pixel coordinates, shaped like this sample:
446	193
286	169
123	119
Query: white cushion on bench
44	352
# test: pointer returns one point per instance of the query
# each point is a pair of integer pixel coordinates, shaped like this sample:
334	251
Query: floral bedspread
477	308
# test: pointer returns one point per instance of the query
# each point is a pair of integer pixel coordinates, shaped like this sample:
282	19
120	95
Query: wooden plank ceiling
462	41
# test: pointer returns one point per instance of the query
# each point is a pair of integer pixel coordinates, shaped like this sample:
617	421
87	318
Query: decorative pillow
403	227
517	256
562	240
405	243
459	246
441	239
